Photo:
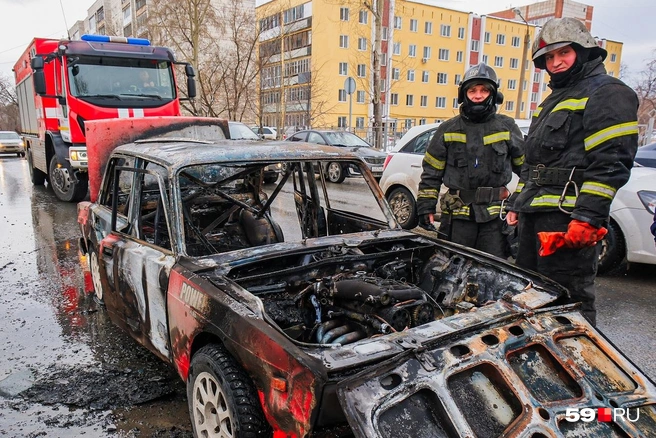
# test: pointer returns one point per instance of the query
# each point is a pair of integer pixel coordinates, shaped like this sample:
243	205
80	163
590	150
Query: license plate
377	169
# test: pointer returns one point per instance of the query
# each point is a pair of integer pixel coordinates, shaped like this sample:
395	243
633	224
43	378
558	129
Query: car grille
374	160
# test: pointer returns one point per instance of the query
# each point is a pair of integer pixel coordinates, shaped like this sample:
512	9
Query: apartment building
113	17
541	12
310	48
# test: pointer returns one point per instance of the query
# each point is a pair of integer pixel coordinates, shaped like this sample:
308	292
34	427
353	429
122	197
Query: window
397	22
522	107
127	30
412	50
423	101
515	41
498	61
363	17
344	14
422	121
409	99
383	85
341	122
413	25
514	63
360	96
445	30
123	184
427	52
485	59
362	70
396	49
613	57
534	97
458	79
383	59
428	28
444	55
442	78
359	122
455	102
486	38
524	85
459	56
501	39
394	99
474	45
408	123
385	31
139	4
293	14
440	102
344	41
127	15
536	77
343	68
512	84
424	76
395	73
153	227
411	75
362	43
341	97
510	105
461	33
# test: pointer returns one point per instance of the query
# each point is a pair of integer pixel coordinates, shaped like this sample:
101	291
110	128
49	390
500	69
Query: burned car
302	309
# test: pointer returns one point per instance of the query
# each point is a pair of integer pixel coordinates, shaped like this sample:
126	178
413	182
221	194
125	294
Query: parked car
333	320
336	172
646	155
266	132
239	131
11	143
631	212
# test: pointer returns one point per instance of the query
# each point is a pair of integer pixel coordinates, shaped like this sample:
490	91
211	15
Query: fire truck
62	84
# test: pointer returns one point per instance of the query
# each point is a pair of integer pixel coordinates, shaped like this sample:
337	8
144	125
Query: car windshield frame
8	135
344	138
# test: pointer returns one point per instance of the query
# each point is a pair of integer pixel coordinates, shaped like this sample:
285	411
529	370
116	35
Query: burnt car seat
260	230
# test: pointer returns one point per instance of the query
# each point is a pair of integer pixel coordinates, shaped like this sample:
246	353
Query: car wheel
271	179
38	177
63	185
222	399
613	250
403	206
335	173
94	268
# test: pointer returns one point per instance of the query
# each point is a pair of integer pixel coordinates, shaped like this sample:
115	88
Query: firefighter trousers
574	269
487	236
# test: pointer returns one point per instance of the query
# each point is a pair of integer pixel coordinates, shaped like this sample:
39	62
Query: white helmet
561	32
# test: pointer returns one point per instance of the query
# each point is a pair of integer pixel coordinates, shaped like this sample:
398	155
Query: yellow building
310	48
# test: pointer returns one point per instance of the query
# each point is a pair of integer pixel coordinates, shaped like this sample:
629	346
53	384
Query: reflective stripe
463	211
427	193
494	209
614	131
598	189
499	136
455	136
518	161
552	201
519	187
434	162
537	112
571	104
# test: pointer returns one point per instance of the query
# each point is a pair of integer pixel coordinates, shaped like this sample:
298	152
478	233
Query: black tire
94	269
271	179
404	207
215	375
62	183
613	250
38	177
335	173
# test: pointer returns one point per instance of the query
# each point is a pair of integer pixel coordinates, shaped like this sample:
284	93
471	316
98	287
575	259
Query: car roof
413	132
176	153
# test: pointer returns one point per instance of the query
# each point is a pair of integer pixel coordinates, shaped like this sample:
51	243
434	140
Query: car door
137	257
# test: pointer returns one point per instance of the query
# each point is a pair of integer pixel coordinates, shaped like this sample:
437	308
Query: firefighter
473	155
579	152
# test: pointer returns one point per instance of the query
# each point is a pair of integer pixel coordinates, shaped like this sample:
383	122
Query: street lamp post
522	72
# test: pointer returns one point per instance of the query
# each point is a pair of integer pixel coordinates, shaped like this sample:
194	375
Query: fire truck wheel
94	268
222	399
38	177
63	185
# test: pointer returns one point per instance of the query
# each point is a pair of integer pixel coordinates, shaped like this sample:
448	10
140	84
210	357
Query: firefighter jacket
586	132
471	158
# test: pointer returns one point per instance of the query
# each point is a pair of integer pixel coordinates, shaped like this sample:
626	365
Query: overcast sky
631	22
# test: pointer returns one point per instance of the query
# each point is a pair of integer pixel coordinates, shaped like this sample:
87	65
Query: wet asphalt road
66	371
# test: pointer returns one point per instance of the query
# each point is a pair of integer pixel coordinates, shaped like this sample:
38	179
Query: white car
266	132
631	213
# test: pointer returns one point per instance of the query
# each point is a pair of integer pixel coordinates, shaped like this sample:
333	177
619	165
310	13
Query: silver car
11	143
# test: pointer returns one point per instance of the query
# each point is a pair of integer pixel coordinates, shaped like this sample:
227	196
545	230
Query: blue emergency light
115	39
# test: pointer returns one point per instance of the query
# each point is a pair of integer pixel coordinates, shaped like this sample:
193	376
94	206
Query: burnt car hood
513	377
363	151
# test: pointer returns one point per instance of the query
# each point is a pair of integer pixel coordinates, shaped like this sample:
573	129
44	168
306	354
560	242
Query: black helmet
477	74
561	32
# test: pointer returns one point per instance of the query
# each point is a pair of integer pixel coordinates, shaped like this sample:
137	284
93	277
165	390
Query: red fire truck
62	84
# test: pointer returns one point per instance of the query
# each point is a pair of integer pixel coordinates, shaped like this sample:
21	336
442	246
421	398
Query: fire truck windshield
120	78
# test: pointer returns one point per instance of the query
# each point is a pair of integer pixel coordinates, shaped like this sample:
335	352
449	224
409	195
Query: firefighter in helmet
579	152
473	155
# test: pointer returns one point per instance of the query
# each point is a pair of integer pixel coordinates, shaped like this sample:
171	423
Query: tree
9	120
646	90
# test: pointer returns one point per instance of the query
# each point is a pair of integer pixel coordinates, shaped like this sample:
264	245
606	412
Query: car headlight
648	199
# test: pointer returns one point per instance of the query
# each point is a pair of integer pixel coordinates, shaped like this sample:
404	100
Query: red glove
579	235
